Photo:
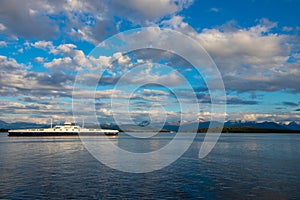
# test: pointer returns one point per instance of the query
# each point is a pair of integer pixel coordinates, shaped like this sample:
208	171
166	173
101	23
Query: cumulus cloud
146	11
3	44
140	77
9	64
43	45
177	22
66	56
87	20
39	60
63	49
59	63
26	19
35	19
251	58
15	79
35	111
248	46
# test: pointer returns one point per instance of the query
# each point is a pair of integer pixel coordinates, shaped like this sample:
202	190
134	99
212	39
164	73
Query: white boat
65	130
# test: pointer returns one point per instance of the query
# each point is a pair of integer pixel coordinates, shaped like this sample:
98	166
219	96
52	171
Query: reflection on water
240	166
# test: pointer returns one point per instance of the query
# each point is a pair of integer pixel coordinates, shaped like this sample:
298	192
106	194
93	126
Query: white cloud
122	59
39	59
147	77
143	11
43	45
72	58
2	27
105	112
244	42
80	59
100	94
177	23
215	9
74	5
155	92
63	49
101	61
21	50
3	44
250	59
65	62
9	64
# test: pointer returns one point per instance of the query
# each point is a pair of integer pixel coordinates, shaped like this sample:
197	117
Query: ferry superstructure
65	130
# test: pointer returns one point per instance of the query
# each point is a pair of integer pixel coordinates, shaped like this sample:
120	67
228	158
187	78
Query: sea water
265	166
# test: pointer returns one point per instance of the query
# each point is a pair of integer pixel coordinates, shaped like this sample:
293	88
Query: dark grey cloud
104	28
39	100
20	82
201	89
32	107
45	19
108	80
205	98
273	83
160	56
55	79
28	99
291	104
146	11
241	101
20	19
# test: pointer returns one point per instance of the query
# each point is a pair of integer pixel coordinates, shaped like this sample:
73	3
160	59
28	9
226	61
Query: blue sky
44	44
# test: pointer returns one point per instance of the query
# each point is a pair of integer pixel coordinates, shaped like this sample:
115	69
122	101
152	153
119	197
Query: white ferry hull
24	134
38	133
66	130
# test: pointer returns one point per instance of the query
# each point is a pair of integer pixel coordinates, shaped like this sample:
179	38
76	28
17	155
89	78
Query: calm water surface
241	166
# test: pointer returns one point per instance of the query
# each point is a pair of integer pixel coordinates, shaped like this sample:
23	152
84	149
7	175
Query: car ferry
65	130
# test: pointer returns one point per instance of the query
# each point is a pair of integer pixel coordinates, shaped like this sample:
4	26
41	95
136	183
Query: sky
56	54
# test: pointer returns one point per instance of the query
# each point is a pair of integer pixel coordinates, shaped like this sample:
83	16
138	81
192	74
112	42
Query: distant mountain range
18	125
229	126
238	126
